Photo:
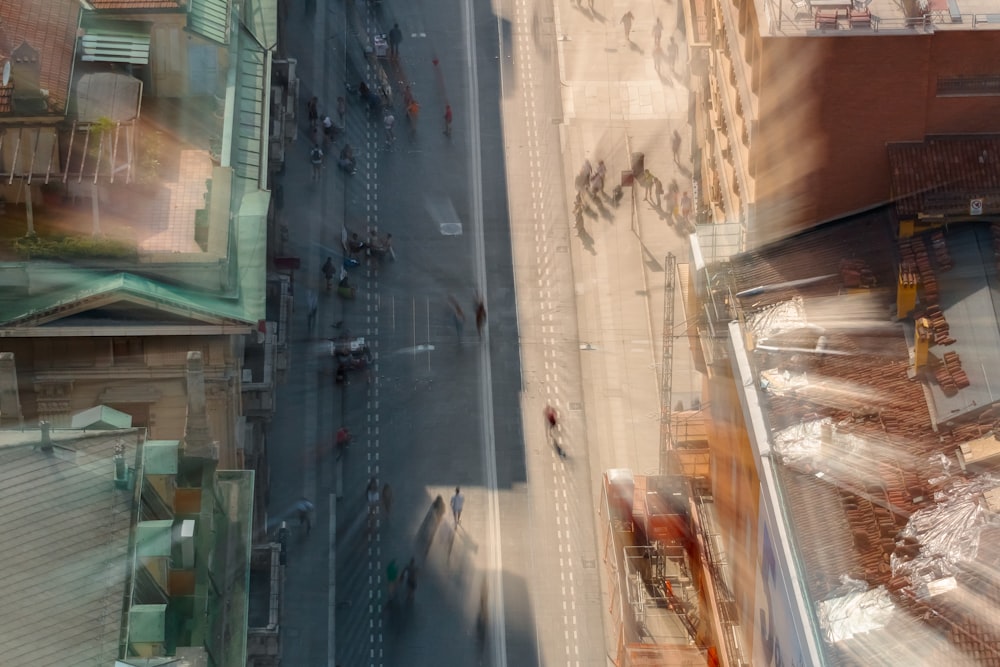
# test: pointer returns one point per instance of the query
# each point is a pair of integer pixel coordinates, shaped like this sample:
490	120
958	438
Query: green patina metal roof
147	623
159	457
153	538
93	286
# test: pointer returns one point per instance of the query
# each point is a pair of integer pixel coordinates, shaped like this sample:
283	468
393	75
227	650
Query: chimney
10	402
197	439
46	440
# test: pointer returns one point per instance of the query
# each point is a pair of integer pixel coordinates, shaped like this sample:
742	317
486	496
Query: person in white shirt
457	502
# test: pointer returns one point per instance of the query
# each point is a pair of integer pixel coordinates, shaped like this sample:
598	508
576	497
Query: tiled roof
49	26
65	547
137	4
873	457
941	175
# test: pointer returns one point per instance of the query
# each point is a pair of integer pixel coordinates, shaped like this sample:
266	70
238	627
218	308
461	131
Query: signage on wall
975	207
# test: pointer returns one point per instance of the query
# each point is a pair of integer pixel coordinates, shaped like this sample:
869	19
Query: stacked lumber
941	254
856	273
950	375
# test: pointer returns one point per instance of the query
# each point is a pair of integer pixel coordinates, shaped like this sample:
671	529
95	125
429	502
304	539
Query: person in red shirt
343	440
447	120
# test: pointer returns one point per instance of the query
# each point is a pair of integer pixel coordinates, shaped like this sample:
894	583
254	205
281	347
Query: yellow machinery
906	291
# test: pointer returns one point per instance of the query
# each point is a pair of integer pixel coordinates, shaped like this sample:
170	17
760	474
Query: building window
127	351
962	86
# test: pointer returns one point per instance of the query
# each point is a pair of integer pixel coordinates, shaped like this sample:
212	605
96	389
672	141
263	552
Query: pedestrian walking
672	54
673	205
458	317
387	499
647	184
412	114
457	503
329	131
389	121
658	191
313	302
341	109
304	507
447	120
316	159
392	579
626	21
583	179
657	33
685	206
675	146
410	579
480	315
313	109
347	161
395	37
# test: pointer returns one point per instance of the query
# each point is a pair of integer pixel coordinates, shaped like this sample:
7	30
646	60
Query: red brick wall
829	105
963	53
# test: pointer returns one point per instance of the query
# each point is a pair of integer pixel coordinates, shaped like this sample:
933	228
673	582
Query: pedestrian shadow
608	214
586	239
635	47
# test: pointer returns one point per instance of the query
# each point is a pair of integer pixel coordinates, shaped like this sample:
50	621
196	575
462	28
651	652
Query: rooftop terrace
833	17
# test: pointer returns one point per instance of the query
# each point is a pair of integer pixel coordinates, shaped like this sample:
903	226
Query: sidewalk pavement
618	100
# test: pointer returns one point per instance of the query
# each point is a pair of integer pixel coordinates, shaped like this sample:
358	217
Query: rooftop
48	27
866	460
197	167
137	4
65	546
856	17
940	176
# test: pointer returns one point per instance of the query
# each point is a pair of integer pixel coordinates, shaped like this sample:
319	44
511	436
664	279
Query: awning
115	46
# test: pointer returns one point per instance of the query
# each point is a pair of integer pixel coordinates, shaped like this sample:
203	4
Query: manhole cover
451	228
576	406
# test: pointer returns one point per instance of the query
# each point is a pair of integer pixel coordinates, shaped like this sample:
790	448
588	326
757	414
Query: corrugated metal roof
249	123
65	546
48	26
210	19
941	175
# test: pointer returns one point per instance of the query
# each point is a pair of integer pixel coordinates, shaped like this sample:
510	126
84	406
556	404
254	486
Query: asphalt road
533	93
424	418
